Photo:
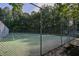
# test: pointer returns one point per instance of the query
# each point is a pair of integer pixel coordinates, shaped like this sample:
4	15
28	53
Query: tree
16	10
1	14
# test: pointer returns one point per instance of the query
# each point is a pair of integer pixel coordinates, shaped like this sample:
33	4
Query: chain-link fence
51	36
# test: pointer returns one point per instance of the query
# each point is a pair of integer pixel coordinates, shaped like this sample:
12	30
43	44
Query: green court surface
24	44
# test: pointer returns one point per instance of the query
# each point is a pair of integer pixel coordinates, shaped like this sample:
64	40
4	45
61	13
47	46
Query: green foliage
52	16
16	10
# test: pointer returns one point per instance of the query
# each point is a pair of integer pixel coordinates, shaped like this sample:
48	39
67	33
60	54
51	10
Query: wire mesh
50	37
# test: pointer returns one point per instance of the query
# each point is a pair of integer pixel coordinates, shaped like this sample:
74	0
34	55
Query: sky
26	7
